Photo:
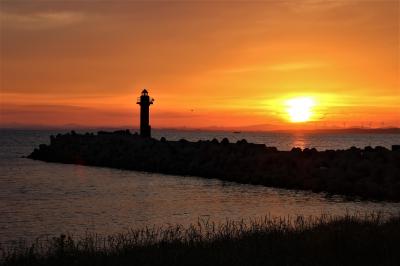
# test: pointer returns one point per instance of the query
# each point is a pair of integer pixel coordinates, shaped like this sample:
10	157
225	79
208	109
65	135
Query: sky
207	64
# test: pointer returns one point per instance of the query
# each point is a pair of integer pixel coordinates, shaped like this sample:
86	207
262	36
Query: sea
39	200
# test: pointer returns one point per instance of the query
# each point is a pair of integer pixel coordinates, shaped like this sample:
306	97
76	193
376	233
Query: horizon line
240	129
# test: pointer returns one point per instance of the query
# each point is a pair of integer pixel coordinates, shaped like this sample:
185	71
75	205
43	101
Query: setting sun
300	109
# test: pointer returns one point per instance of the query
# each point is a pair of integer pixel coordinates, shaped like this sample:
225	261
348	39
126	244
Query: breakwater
369	173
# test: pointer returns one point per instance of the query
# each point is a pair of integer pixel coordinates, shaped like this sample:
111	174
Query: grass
348	240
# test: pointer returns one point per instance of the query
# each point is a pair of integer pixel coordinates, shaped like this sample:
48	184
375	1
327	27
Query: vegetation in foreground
369	173
349	240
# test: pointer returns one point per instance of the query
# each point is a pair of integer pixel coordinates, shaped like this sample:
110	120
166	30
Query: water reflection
299	141
53	198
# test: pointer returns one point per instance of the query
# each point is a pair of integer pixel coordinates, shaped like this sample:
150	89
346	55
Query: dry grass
348	240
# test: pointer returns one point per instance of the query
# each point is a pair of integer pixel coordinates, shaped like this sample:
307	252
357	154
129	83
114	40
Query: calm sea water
39	199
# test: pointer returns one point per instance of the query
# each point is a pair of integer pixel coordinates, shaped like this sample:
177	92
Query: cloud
291	66
296	66
40	20
318	5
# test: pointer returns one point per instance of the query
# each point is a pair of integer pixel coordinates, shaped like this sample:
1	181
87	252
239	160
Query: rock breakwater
372	173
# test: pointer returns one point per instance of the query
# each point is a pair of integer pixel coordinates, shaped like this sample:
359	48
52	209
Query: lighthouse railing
138	100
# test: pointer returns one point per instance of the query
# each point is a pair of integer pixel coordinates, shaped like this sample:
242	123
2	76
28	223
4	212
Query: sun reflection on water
299	141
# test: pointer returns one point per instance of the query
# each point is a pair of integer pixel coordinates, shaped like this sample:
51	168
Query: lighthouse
144	101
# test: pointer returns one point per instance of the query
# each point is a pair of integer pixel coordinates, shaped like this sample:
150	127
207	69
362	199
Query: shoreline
369	173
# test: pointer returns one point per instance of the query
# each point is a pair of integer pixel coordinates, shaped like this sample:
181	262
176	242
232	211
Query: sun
300	109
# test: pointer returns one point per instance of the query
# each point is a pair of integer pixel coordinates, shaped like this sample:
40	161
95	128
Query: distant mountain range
251	128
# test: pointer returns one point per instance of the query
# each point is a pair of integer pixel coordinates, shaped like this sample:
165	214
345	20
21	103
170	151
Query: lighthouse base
145	131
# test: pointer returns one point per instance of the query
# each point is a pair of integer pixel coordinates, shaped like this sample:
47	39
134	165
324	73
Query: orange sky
206	63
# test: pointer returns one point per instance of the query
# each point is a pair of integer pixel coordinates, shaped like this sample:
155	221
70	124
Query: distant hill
391	130
250	128
272	128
